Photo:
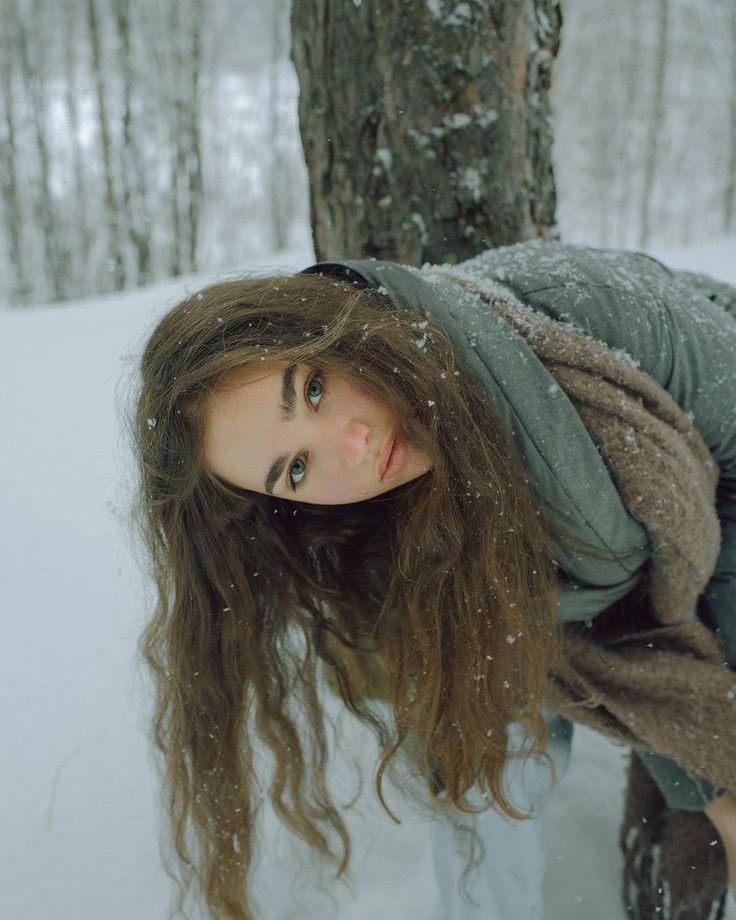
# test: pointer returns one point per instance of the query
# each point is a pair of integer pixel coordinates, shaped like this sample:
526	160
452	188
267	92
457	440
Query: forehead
240	376
249	387
243	398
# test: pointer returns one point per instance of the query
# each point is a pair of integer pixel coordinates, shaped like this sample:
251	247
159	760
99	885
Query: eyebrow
288	409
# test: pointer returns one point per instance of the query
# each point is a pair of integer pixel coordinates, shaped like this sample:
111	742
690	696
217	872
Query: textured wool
649	673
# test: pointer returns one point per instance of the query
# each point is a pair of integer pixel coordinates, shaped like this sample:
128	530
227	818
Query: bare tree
425	125
425	130
656	120
112	207
729	195
9	176
78	206
279	186
625	128
187	182
132	169
195	173
32	59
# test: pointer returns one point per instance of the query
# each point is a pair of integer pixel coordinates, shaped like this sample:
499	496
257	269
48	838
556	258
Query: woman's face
291	432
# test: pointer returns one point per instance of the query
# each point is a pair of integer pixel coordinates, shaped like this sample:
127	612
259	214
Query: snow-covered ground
80	821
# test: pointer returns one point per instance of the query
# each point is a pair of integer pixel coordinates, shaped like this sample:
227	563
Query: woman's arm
681	328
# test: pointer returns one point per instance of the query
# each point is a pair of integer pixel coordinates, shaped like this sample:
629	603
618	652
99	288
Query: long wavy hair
438	598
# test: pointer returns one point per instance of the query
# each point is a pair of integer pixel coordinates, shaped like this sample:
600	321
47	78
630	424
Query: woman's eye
298	467
294	466
315	379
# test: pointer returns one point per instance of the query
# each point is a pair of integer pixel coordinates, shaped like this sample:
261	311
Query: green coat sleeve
681	329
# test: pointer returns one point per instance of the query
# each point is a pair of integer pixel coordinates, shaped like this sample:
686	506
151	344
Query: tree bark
729	195
627	156
655	123
78	206
112	207
279	188
187	180
426	125
9	174
195	175
177	152
33	64
132	172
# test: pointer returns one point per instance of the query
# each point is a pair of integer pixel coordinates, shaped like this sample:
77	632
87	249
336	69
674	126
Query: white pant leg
508	883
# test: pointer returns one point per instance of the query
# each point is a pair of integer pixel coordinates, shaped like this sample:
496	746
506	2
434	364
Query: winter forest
147	140
149	148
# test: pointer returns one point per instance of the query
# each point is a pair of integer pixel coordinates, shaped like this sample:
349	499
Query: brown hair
448	581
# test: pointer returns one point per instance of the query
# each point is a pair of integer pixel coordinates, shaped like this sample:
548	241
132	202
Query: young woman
359	473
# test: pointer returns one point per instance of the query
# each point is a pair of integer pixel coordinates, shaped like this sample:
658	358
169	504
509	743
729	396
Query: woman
363	467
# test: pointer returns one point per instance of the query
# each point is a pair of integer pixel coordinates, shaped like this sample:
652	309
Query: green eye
294	466
316	378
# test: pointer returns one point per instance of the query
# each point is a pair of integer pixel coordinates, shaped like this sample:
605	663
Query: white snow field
79	803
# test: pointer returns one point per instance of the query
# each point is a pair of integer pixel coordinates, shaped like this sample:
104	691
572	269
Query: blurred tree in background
144	139
645	121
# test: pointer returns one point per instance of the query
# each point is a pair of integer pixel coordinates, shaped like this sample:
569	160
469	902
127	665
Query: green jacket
677	326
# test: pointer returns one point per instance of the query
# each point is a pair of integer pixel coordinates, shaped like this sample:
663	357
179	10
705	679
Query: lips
396	458
385	454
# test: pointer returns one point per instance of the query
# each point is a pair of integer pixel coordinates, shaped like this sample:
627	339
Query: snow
81	821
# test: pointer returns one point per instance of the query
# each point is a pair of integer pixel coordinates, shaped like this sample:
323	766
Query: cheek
359	401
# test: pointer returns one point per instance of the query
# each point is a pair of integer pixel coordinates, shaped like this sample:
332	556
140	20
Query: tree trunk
186	22
78	206
426	125
729	195
655	122
279	188
131	163
33	64
625	131
195	177
10	180
112	208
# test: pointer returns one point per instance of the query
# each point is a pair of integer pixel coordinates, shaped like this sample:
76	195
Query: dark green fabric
681	329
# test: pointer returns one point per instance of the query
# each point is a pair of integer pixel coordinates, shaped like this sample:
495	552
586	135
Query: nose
353	443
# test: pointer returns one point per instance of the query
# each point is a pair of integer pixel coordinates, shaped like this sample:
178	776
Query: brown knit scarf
649	675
